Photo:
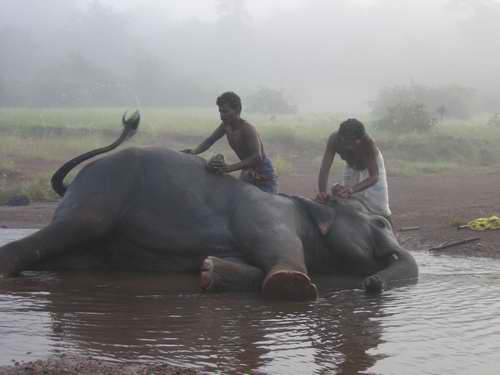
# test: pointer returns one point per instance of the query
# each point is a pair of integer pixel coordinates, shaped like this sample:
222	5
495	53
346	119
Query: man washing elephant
256	168
364	174
153	209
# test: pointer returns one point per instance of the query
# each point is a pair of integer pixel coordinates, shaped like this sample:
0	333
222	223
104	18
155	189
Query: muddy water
448	323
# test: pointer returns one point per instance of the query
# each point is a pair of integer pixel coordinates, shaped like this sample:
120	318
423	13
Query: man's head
351	132
229	106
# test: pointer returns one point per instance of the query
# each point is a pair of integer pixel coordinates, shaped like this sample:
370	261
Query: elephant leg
286	278
218	274
50	241
289	285
402	267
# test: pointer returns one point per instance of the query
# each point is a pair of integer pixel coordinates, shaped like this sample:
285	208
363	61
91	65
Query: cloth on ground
484	223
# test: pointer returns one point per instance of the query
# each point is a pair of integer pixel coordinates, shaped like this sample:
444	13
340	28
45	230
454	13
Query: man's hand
216	164
342	191
337	188
346	193
322	197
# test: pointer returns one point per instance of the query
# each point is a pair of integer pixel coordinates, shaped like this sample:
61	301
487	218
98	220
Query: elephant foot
7	269
5	274
373	284
206	274
219	274
289	285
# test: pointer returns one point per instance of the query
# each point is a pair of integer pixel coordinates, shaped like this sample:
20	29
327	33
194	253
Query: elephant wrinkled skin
155	209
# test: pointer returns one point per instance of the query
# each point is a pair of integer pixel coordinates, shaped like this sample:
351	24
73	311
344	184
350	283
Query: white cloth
376	197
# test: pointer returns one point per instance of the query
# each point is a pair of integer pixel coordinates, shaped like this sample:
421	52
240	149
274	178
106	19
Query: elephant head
354	241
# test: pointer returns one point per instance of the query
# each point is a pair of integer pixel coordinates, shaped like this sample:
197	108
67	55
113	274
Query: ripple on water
446	323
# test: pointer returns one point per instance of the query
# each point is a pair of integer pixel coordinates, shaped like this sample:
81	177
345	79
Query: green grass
450	147
36	189
293	141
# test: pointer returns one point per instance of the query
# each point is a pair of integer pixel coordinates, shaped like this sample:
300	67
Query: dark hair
231	99
352	128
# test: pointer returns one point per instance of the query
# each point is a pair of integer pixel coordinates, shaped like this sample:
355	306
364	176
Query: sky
324	55
206	9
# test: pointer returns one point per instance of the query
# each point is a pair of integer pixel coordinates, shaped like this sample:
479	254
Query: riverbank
73	365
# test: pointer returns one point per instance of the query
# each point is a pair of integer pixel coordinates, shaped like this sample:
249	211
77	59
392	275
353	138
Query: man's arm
372	179
326	164
254	148
207	143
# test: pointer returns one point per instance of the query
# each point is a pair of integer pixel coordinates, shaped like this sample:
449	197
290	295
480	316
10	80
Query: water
447	323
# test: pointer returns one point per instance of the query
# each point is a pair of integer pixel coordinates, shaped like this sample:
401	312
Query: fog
323	55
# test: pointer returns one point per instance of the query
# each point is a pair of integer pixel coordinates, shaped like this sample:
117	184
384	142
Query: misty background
321	55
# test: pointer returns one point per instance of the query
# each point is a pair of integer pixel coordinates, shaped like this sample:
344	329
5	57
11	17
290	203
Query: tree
406	117
233	11
494	120
453	101
442	112
269	101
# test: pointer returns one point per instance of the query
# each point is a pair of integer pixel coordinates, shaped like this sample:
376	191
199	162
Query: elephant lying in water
154	209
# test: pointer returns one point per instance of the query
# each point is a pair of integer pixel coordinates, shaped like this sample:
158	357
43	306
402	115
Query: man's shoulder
333	138
221	127
334	135
246	123
246	126
370	145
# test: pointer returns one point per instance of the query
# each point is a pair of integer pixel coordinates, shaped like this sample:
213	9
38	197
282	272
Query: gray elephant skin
155	209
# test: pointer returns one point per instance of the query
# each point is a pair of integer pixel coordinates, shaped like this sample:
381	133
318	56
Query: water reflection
447	323
452	321
157	319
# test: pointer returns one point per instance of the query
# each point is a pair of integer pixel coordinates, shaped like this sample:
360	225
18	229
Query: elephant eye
380	222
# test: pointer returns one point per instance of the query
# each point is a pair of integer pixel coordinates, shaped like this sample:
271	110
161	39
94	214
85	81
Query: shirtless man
243	138
364	174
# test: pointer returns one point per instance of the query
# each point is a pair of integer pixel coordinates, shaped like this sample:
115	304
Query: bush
449	101
270	102
406	117
39	189
494	120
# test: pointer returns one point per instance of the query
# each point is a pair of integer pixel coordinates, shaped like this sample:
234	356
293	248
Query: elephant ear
321	215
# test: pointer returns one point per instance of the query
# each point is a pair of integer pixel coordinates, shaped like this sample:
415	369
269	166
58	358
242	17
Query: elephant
156	209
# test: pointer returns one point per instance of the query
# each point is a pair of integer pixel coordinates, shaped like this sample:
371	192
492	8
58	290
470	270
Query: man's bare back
238	137
243	138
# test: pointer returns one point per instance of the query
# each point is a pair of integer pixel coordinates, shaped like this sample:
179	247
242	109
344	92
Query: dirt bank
72	365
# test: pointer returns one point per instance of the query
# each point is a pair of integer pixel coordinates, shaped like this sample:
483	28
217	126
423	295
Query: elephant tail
130	126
